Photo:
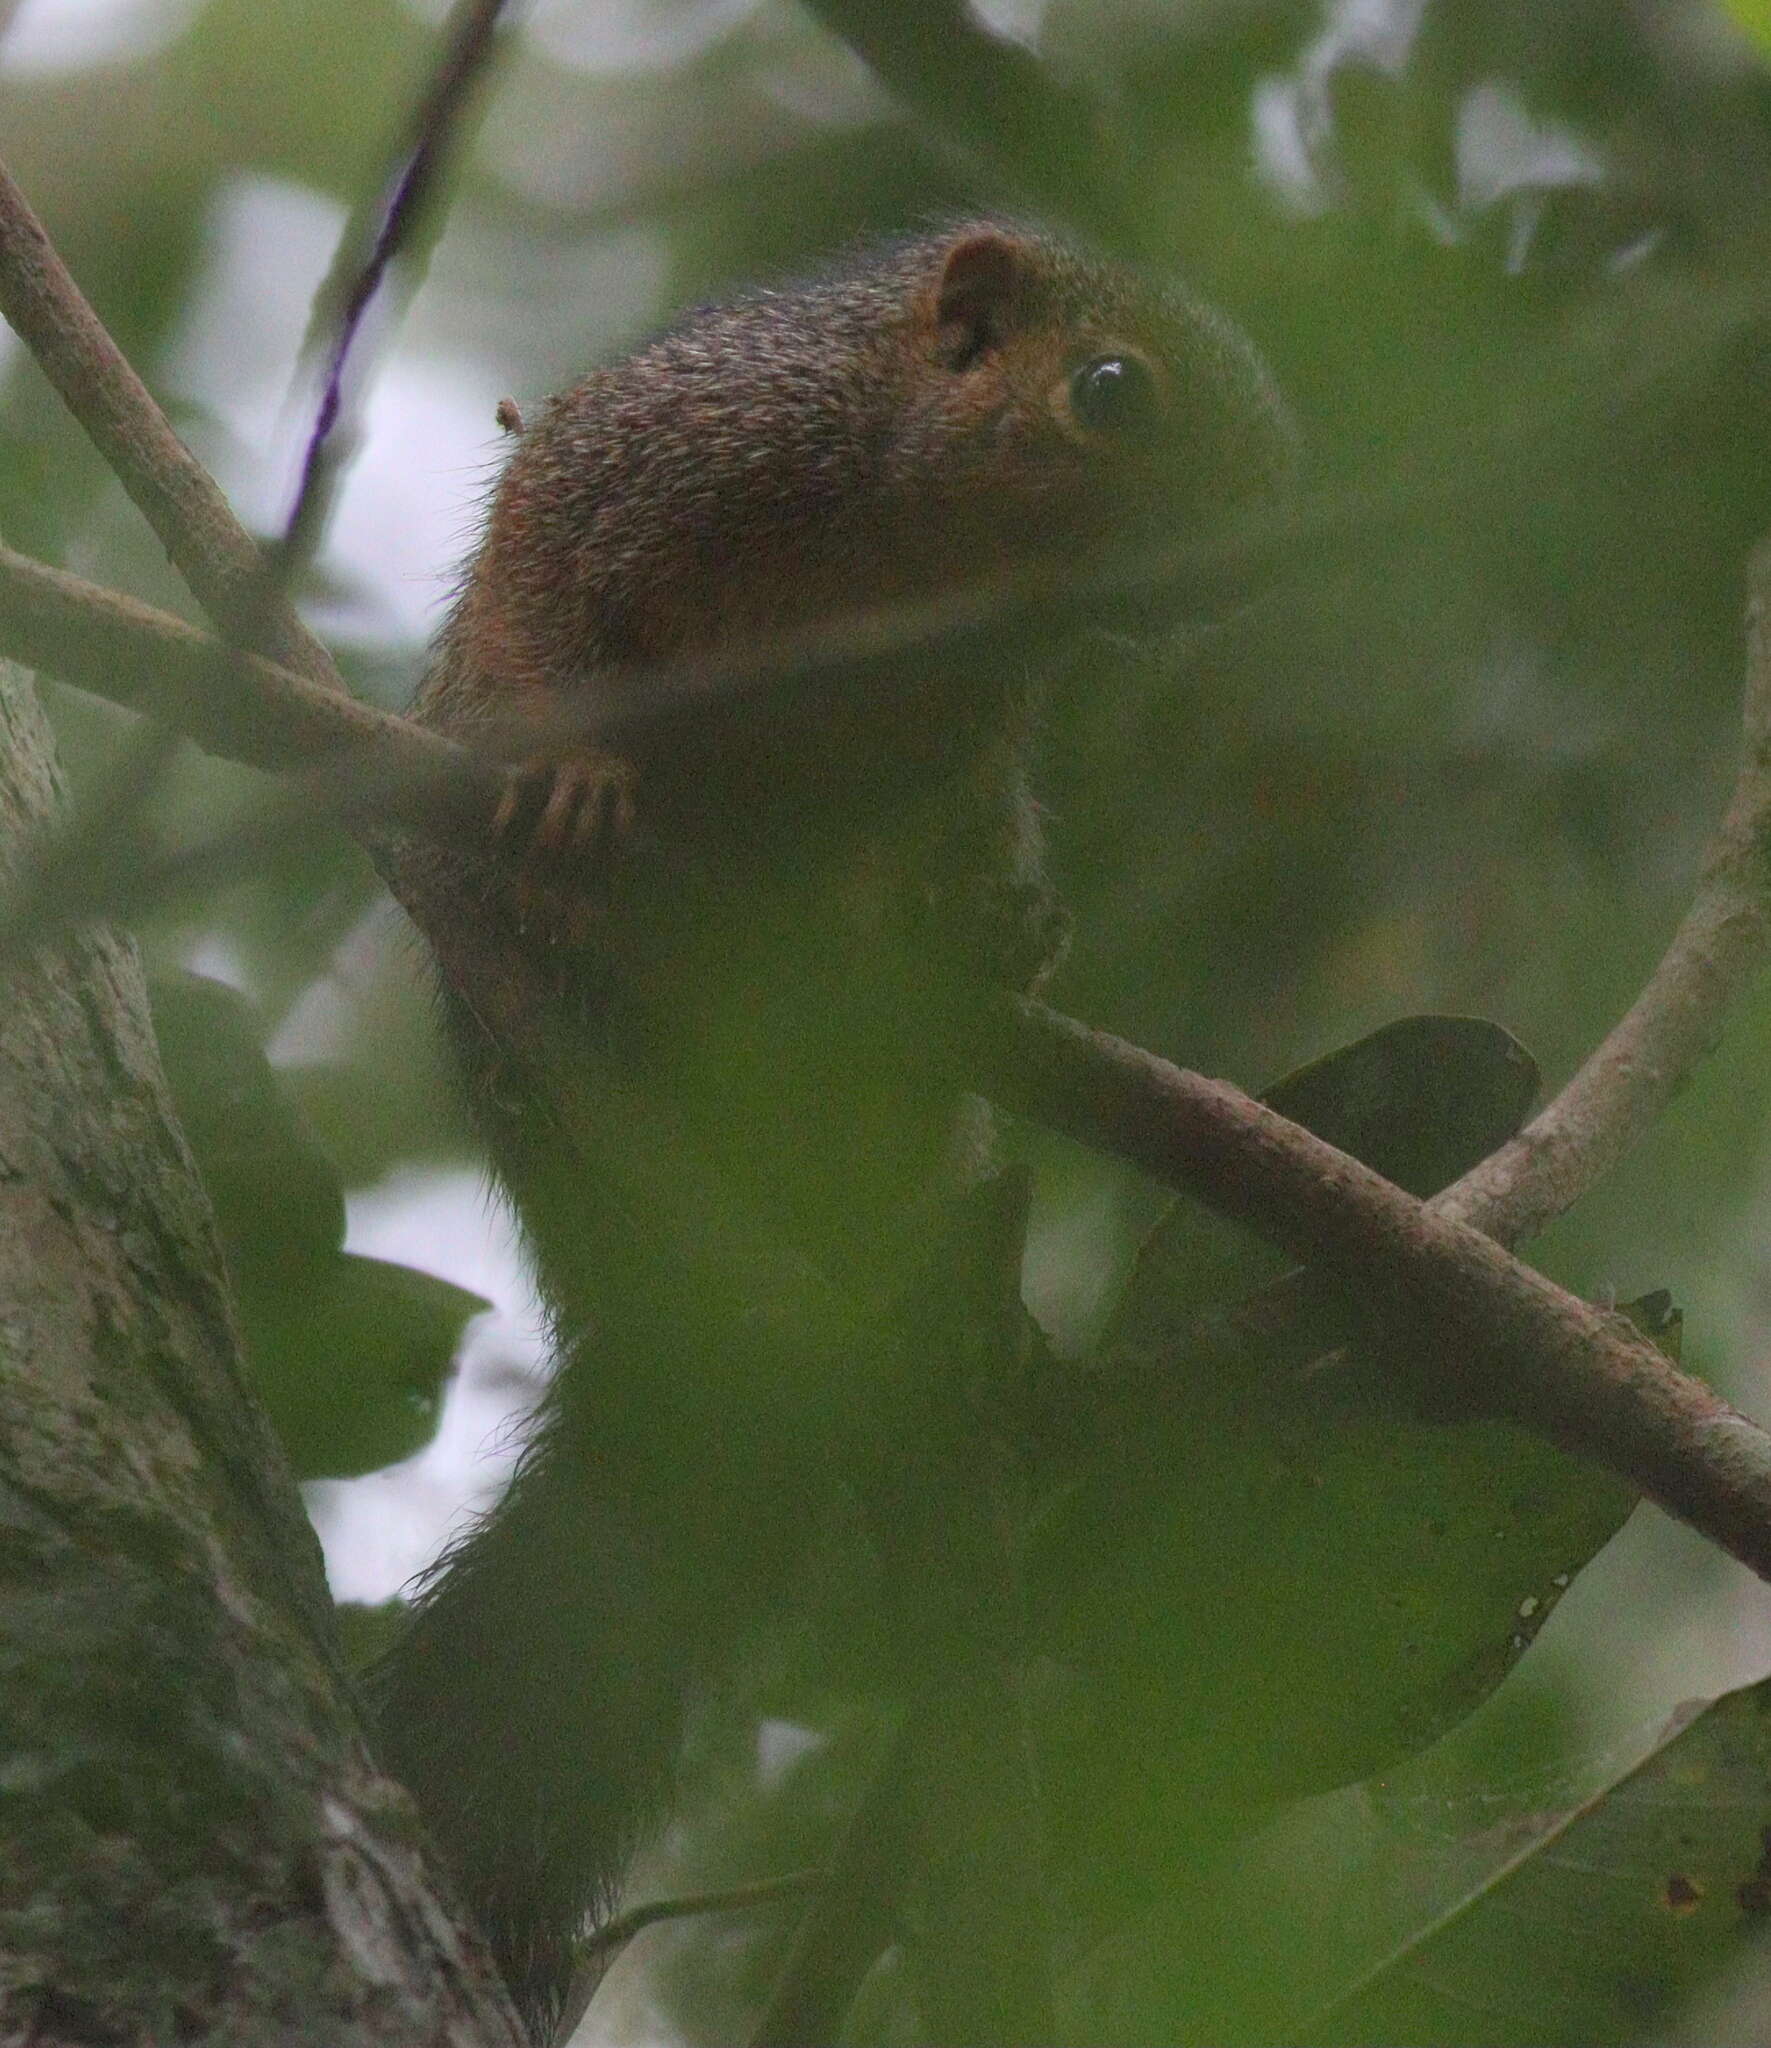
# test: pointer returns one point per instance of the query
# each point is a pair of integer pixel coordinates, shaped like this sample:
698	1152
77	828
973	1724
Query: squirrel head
945	411
1074	408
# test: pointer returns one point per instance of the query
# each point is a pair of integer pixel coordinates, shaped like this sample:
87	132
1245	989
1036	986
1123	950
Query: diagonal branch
239	706
1538	1354
349	292
180	500
1495	1334
990	94
1721	946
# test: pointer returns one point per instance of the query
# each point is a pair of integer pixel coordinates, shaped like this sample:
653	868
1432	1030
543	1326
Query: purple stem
470	42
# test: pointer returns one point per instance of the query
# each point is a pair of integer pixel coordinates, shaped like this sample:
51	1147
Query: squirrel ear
981	280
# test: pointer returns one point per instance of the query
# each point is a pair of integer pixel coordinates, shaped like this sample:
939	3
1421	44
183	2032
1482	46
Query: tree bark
194	1842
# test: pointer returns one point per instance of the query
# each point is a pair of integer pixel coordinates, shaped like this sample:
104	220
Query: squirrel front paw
574	809
565	820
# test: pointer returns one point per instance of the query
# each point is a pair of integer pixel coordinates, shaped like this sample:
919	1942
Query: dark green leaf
1292	1579
350	1354
1594	1920
1420	1100
352	1365
277	1200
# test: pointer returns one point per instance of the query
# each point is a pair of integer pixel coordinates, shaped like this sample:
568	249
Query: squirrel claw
566	809
566	819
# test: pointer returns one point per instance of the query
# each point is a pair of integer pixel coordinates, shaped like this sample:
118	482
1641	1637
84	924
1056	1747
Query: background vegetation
1507	262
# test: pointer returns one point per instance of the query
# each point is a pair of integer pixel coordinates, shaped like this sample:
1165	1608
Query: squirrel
710	997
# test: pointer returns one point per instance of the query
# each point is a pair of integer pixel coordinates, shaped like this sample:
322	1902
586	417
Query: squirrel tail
536	1702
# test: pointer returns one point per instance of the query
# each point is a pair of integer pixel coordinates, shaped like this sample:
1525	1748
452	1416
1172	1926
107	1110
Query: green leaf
1292	1579
278	1203
1754	16
352	1364
349	1354
1603	1916
1420	1101
1520	1908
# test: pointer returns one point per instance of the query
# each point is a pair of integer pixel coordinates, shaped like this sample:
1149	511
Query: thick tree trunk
194	1843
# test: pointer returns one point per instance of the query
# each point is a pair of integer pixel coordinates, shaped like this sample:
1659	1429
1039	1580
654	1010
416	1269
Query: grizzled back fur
879	434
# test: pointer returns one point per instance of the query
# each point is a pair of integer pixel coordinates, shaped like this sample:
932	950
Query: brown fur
768	1009
784	459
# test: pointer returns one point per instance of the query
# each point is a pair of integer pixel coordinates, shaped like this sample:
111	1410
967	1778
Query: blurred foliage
1753	16
1611	1908
349	1354
1562	1904
1332	1541
1508	261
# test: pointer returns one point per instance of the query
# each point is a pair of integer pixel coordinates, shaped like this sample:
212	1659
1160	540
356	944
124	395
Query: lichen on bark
194	1842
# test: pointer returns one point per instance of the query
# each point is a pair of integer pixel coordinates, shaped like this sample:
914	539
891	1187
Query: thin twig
851	1920
615	1934
1720	948
435	123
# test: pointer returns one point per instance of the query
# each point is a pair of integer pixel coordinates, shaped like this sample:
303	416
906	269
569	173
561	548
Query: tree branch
1721	946
1573	1372
181	501
241	707
1440	1291
990	94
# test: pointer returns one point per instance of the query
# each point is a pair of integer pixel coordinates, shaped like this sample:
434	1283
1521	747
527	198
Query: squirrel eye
1112	394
